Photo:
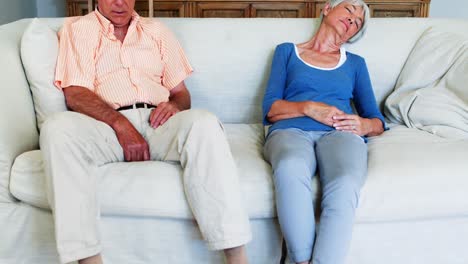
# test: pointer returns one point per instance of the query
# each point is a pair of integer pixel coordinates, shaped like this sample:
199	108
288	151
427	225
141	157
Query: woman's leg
291	154
342	161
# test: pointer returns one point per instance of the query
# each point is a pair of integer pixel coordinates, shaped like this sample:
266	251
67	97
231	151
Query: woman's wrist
375	127
307	108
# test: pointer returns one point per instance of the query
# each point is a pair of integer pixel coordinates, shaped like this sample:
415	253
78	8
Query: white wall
449	8
11	10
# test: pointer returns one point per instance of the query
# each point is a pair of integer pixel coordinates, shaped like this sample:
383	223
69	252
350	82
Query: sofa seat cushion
154	188
414	174
405	179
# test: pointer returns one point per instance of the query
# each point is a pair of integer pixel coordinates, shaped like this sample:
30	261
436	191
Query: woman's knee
289	146
293	170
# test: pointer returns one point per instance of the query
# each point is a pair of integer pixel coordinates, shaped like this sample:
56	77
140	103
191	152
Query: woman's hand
358	125
322	112
351	123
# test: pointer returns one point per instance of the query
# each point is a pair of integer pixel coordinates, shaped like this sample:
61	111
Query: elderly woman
313	127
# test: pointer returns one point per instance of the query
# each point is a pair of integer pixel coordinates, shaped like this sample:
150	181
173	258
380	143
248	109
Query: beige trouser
75	145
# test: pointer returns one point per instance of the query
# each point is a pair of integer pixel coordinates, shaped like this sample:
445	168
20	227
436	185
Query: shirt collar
108	28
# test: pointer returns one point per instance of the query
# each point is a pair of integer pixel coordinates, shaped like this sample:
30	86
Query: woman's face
345	18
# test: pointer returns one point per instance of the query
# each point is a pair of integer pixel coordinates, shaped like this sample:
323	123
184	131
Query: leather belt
135	106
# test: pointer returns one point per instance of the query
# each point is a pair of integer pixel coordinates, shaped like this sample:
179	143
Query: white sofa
413	208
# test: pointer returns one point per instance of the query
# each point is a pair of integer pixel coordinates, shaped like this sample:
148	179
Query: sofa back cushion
39	48
231	57
431	93
232	60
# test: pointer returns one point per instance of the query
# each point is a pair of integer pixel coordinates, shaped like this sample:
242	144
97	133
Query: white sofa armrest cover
18	131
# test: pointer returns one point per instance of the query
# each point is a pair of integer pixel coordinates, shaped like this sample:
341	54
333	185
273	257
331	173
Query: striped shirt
144	68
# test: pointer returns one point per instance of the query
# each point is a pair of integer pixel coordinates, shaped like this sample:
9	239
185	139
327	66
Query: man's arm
179	100
82	100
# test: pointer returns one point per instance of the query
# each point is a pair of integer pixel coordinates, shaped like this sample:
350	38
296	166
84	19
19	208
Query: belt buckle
145	105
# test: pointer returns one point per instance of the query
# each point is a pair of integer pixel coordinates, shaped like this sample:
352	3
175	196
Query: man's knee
202	119
58	122
63	125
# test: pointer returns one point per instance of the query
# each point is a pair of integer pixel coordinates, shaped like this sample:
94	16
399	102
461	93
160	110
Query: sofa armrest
18	131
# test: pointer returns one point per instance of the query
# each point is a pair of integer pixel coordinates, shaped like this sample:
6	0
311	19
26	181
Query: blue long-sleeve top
294	80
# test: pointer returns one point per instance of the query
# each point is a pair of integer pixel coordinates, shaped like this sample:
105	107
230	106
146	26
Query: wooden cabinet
78	7
224	9
283	9
389	8
402	10
255	8
162	9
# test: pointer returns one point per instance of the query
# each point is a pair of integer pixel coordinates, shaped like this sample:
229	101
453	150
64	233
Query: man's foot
91	260
236	255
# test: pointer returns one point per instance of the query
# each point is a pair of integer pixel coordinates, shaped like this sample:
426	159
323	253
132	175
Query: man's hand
134	146
83	100
179	100
162	113
322	112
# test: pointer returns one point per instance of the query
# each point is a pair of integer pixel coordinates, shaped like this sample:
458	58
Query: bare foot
91	260
236	255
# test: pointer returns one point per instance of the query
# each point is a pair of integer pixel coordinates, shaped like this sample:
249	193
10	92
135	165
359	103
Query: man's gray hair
365	8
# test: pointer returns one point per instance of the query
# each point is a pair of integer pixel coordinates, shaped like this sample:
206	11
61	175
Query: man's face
119	12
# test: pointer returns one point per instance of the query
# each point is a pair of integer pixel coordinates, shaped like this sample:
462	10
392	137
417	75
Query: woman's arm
276	83
282	109
370	121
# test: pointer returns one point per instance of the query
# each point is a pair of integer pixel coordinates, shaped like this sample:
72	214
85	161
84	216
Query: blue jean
341	159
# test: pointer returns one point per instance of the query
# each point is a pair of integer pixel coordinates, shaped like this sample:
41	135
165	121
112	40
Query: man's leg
96	259
196	139
236	255
73	146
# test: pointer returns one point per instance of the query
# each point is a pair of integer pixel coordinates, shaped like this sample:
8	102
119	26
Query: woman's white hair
365	8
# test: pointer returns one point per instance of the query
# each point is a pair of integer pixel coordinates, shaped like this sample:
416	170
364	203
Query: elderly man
123	78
